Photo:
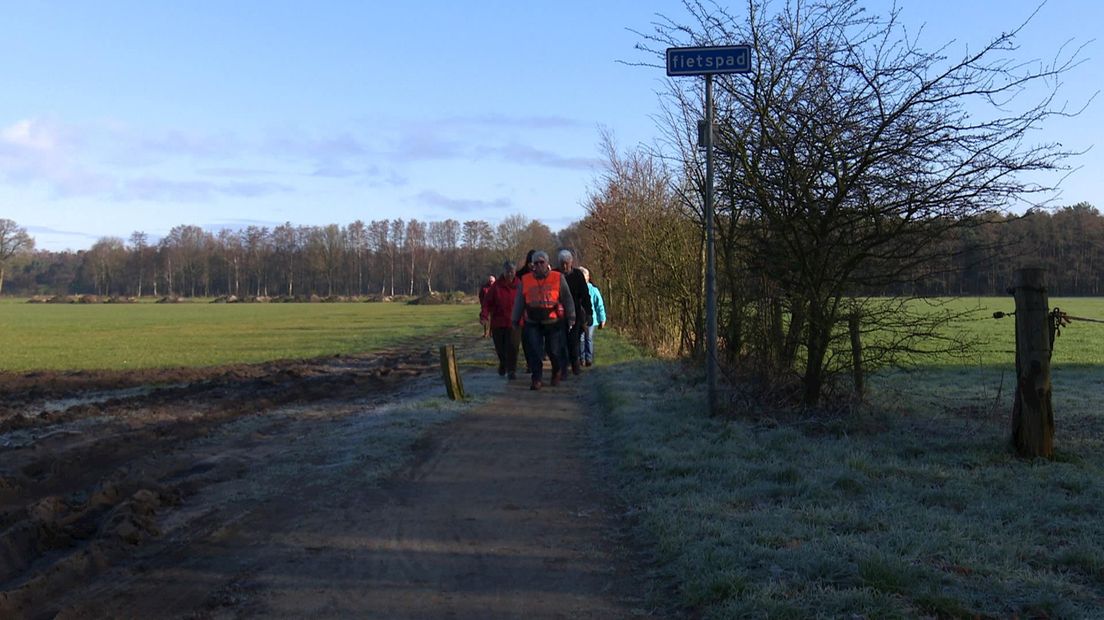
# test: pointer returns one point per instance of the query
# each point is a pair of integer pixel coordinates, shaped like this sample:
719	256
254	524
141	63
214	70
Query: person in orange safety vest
544	301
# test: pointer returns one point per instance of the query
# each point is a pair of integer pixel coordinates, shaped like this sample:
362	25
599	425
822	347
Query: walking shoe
511	376
501	370
575	370
537	384
588	363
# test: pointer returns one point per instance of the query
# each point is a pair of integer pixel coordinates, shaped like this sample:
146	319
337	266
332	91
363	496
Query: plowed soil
255	491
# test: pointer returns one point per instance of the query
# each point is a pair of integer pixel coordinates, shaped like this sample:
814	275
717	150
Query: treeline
377	258
1068	242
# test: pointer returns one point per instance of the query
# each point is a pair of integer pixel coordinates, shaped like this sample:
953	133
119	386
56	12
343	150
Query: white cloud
461	205
30	134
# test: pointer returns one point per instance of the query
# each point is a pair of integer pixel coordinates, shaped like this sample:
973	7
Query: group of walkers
549	312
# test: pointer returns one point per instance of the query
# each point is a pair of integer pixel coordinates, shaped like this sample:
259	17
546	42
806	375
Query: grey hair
540	254
565	255
586	273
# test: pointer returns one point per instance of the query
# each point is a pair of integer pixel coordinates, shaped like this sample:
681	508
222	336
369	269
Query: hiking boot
511	376
537	384
588	363
555	379
501	370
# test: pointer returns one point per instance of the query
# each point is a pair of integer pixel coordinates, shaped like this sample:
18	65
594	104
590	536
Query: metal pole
710	267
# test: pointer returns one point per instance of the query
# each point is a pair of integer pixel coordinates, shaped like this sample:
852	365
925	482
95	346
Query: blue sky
125	116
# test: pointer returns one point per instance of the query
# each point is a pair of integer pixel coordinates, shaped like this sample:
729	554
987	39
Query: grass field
129	336
912	507
1081	342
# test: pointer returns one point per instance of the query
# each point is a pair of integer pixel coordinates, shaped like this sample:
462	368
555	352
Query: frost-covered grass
912	508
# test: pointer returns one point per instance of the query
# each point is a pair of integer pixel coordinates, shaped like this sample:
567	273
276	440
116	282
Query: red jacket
498	303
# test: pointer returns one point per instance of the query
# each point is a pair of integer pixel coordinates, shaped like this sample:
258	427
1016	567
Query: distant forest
397	257
379	258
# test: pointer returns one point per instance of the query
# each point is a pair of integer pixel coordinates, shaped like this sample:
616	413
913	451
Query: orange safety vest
542	298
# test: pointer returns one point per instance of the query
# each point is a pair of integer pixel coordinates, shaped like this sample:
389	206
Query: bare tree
140	250
13	240
849	155
357	239
105	259
286	246
416	243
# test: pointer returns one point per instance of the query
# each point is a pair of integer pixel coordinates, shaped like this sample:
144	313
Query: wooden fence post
1032	411
450	373
853	328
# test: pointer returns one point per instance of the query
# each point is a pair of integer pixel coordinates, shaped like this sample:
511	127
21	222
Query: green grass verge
913	509
136	336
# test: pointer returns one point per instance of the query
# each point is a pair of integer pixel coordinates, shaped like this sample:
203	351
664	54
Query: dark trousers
540	338
574	336
506	341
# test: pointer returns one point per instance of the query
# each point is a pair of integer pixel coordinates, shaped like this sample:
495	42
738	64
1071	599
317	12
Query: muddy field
252	492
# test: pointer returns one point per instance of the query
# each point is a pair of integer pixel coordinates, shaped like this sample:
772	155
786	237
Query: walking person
598	320
526	268
498	308
544	301
577	283
482	295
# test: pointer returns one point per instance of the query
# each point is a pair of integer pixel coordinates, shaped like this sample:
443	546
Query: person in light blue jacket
586	349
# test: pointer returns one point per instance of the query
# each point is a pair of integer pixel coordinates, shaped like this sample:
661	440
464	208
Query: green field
1081	342
145	335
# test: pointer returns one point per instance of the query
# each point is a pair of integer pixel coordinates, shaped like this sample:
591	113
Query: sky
118	117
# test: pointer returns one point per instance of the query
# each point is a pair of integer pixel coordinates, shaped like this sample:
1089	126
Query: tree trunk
1032	411
820	334
856	355
793	335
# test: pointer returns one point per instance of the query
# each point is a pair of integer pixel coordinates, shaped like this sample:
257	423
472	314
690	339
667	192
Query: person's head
529	258
586	273
508	269
540	263
490	279
566	259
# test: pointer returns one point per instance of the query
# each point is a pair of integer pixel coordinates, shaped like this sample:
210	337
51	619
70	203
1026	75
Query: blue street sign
707	60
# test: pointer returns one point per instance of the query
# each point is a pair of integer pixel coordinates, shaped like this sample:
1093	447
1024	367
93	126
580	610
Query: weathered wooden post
450	373
1032	411
853	328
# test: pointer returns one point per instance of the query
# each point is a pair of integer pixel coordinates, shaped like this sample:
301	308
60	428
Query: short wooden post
1032	411
450	373
856	354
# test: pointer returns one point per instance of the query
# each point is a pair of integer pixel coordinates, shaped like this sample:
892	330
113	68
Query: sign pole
707	61
710	255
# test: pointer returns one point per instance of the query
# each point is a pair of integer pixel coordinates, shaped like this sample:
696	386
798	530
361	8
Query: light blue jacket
599	305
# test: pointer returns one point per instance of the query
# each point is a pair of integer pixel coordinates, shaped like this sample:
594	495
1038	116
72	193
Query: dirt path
499	515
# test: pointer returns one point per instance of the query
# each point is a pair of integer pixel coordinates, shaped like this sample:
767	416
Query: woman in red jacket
498	306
